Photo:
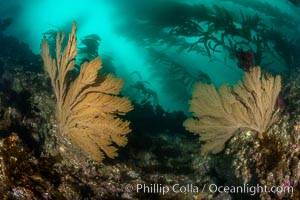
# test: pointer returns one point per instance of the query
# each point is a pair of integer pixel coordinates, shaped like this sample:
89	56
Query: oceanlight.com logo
250	189
212	188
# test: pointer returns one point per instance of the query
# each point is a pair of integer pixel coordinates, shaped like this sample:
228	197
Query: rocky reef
33	164
37	163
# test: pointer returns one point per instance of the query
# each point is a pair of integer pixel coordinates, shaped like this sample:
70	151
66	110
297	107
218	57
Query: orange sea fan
88	108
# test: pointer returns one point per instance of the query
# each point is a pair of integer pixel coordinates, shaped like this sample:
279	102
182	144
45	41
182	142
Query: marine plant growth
88	107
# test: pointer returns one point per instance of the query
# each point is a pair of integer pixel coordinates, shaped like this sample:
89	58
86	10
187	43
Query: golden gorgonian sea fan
218	115
87	108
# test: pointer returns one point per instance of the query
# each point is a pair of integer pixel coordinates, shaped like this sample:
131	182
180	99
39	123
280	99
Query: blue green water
130	47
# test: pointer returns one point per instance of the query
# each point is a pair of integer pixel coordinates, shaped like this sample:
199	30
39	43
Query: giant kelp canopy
212	29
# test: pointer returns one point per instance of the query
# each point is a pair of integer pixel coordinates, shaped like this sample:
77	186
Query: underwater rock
222	196
270	161
21	175
291	92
